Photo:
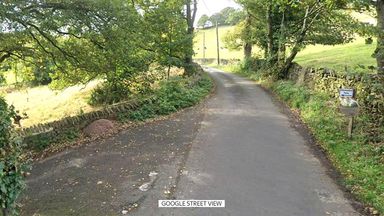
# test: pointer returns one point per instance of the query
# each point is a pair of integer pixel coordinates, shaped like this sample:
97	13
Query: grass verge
361	164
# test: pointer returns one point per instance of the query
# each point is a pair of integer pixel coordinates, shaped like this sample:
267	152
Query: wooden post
218	43
203	47
350	127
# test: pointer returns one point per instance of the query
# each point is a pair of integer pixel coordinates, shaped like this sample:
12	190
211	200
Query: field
43	104
210	44
335	57
338	57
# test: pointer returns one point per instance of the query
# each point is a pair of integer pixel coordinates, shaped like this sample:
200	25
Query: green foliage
138	84
240	34
44	141
360	164
235	16
3	80
217	18
227	16
297	97
278	25
169	43
203	21
172	95
109	94
71	43
11	161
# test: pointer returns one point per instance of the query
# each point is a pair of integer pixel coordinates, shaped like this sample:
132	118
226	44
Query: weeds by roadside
172	95
361	164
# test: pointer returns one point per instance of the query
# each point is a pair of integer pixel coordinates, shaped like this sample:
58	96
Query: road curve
247	154
236	147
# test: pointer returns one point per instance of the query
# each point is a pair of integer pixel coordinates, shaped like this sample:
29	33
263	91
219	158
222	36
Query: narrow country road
247	154
238	147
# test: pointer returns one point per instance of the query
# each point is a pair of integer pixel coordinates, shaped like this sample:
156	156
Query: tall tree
170	42
295	24
104	39
190	14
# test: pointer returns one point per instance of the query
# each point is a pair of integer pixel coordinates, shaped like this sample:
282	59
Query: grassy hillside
338	57
335	57
210	44
44	105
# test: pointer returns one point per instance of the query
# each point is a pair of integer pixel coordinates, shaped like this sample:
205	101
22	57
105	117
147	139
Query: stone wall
83	119
369	89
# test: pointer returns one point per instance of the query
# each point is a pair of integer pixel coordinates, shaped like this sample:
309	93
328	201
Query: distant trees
227	16
203	21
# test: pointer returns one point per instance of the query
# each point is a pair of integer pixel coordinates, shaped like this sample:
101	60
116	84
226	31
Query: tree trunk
282	47
296	48
269	31
5	211
248	44
273	48
288	62
191	15
380	38
247	50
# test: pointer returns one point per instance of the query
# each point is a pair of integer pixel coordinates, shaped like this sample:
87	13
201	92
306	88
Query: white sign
192	203
347	93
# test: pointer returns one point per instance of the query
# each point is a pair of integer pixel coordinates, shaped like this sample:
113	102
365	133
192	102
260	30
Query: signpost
347	93
349	107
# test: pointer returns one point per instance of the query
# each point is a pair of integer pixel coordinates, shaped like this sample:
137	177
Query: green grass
338	57
360	164
211	47
44	105
210	44
172	95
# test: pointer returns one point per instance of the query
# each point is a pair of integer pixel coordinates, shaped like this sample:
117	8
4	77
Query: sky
210	7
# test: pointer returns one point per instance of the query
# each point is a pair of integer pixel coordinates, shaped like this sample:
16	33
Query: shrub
172	95
11	162
109	94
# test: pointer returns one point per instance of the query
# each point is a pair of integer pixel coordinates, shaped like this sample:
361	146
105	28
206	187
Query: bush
11	162
109	94
172	95
252	64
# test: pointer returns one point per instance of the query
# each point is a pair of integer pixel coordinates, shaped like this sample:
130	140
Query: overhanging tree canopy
87	39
